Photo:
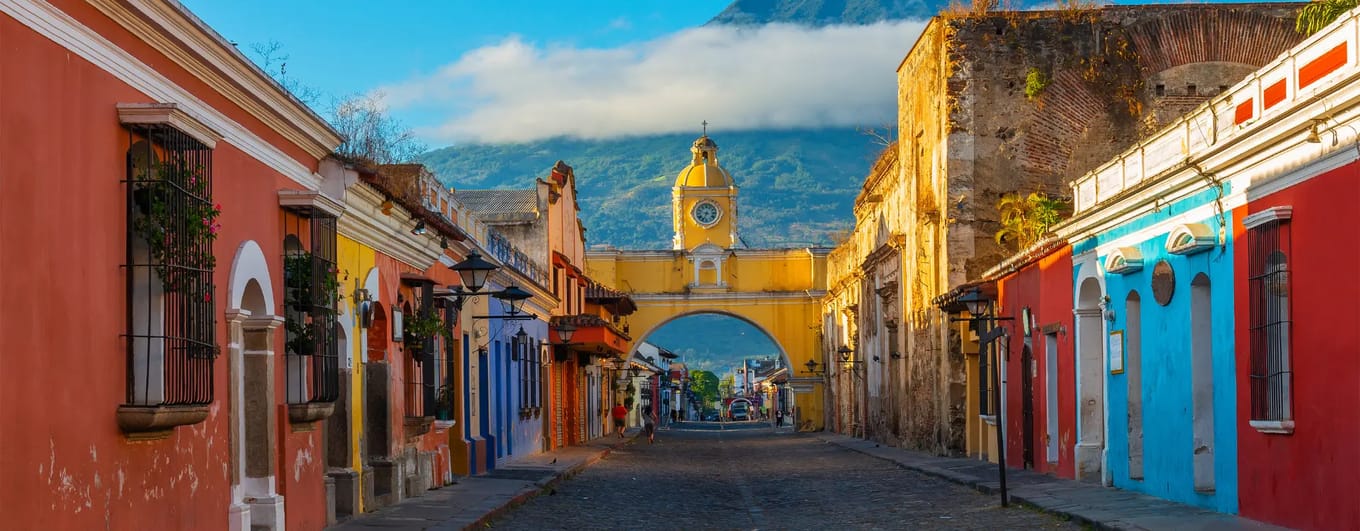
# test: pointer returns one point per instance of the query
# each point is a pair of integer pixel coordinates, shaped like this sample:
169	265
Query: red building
1297	358
1039	382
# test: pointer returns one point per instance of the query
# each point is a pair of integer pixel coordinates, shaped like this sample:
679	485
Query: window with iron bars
423	323
311	291
1268	266
171	225
444	365
986	353
520	353
536	369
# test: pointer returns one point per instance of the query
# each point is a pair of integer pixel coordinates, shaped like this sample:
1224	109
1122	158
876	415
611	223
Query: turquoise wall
1168	435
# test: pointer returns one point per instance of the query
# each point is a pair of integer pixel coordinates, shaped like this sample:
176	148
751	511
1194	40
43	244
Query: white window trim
1279	213
1284	427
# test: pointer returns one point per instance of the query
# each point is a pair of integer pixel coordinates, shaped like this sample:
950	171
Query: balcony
594	335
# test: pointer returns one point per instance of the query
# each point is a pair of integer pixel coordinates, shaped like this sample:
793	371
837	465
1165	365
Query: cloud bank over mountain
737	78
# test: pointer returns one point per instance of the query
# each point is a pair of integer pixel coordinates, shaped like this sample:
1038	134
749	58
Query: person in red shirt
619	414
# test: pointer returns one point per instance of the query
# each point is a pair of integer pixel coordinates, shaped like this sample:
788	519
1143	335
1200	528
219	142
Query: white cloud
736	78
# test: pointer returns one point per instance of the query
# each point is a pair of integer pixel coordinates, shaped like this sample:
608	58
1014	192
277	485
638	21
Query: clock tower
704	201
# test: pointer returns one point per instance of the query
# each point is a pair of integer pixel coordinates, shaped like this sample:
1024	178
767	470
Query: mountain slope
826	12
796	187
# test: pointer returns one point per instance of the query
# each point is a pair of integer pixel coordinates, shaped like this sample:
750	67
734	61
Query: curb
539	486
985	487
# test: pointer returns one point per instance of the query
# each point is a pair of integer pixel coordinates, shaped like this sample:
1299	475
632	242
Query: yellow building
776	290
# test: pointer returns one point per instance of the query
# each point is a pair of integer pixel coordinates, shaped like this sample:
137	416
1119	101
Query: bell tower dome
704	200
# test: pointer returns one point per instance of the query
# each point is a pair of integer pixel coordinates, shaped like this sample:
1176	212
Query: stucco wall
1310	478
1166	369
1044	287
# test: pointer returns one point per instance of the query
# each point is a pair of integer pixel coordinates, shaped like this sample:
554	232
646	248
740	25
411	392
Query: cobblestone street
756	479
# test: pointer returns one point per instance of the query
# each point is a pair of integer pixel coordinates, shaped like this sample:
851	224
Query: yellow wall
720	233
354	260
776	291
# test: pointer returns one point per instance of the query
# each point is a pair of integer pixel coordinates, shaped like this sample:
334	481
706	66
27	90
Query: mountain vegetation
796	187
826	12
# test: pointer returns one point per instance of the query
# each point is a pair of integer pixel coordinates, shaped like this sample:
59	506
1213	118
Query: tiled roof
500	201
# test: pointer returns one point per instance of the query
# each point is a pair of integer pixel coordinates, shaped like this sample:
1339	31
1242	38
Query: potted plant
443	402
177	220
308	300
420	327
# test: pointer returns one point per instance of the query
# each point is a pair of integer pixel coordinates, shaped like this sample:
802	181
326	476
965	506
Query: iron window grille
311	292
520	355
444	393
986	353
422	366
1271	375
169	266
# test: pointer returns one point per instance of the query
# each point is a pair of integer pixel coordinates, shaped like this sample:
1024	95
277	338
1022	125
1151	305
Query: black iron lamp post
474	272
979	305
812	368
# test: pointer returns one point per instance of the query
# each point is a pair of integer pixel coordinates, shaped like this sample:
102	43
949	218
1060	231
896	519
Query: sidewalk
474	501
1097	506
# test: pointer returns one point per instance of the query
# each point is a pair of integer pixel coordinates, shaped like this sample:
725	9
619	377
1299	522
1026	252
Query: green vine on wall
1035	83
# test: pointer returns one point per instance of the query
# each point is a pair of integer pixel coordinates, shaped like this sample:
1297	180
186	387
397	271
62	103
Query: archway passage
736	371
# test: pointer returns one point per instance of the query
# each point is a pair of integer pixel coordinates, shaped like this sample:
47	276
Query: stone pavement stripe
473	502
1091	505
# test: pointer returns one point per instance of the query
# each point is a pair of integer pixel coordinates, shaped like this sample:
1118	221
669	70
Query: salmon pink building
158	193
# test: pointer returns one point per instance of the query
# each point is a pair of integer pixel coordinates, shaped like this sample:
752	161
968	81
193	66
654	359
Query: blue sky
509	70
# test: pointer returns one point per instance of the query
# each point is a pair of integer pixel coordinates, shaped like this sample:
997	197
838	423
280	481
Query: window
443	398
537	350
1268	278
171	225
985	352
423	324
311	291
520	348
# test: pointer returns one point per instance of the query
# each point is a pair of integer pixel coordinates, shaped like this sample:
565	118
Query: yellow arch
778	291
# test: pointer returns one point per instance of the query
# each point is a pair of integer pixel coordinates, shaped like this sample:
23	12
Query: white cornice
1268	215
81	41
172	31
311	199
167	114
365	223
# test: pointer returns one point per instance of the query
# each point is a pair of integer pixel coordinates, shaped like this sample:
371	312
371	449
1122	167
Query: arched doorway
254	502
1090	451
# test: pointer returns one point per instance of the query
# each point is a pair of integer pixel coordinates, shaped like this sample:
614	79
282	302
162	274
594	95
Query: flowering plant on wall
178	221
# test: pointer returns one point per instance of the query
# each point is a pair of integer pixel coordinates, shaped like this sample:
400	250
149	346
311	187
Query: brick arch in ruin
1060	140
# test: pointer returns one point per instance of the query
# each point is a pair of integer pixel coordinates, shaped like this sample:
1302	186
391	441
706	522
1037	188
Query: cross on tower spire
705	123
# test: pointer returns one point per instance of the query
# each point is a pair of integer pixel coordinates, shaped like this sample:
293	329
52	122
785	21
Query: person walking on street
778	418
619	413
649	425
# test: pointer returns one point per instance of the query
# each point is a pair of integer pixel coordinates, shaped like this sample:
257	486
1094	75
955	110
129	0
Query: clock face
705	213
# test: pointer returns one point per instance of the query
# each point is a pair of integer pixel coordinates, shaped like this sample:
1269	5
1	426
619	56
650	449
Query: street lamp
978	305
473	272
812	368
564	332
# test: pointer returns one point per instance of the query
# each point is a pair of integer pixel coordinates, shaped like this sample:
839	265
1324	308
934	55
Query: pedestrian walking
779	418
649	425
619	413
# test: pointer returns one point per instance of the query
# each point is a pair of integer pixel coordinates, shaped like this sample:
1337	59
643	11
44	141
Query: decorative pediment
1124	260
1190	238
707	250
